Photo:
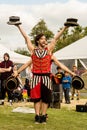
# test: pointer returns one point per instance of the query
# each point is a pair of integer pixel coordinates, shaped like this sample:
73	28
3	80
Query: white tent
76	51
15	57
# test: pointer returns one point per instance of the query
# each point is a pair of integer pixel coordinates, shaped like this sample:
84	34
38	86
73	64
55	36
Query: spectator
66	82
2	70
6	63
27	87
15	67
60	76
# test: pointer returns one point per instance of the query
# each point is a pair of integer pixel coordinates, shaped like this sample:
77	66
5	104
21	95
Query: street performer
41	55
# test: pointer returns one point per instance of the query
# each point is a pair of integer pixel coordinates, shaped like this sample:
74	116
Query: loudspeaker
81	108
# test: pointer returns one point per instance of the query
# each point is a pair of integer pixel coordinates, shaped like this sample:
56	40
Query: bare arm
62	66
23	67
51	46
26	37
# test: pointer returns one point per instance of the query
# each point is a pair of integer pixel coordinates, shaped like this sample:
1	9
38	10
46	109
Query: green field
58	119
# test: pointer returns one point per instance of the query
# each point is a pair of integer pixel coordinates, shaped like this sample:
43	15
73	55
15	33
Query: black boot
43	119
37	119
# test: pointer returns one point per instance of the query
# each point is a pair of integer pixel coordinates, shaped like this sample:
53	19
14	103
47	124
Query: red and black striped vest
41	61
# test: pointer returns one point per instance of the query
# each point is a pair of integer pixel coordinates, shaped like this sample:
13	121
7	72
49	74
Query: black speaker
81	108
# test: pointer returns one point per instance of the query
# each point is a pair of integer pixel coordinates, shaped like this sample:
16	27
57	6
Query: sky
54	13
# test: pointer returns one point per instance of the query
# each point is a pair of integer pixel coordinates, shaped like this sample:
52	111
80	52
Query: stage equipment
81	108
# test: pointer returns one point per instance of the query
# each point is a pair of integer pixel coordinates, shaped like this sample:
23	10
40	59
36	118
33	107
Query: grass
58	119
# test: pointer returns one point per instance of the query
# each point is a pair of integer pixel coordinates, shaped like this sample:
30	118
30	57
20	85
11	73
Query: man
7	64
2	70
41	60
41	55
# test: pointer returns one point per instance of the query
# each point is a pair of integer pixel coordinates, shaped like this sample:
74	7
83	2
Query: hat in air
71	22
14	20
77	82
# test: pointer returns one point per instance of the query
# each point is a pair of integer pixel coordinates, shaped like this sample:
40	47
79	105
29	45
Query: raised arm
62	66
26	37
51	46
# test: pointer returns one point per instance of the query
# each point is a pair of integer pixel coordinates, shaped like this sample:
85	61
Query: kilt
41	88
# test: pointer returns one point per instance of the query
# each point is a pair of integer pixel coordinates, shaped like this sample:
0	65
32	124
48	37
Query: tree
22	51
77	33
41	27
69	37
85	31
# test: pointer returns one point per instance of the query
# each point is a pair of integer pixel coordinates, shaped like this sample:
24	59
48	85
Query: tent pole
76	62
82	63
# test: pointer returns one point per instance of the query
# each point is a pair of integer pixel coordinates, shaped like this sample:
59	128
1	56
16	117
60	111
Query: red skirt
36	91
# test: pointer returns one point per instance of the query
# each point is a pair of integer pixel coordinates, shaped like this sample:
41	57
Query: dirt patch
19	104
73	103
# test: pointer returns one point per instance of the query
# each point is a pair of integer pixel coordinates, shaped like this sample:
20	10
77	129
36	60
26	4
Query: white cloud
54	14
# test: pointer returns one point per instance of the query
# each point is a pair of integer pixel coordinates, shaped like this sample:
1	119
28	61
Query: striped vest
41	61
41	68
